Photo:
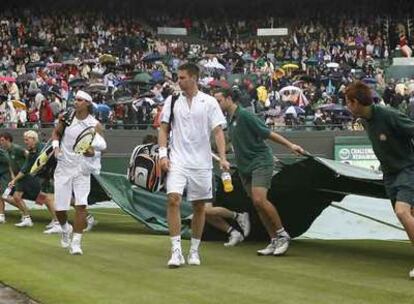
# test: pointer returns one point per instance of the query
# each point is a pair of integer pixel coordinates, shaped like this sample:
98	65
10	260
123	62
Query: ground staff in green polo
254	160
16	156
391	134
4	180
28	186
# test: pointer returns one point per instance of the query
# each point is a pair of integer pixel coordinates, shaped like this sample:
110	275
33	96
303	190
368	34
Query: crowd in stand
291	80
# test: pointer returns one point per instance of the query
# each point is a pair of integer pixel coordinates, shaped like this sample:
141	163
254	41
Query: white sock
235	215
77	237
195	243
65	226
176	242
282	232
229	230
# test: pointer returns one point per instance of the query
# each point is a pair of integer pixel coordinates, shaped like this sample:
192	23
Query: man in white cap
73	171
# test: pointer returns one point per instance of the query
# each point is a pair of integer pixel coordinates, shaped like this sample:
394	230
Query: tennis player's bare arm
56	136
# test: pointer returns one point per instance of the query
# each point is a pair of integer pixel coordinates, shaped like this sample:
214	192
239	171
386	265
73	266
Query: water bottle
227	184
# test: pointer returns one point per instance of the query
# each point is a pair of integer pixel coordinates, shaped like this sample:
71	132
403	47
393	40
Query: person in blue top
391	134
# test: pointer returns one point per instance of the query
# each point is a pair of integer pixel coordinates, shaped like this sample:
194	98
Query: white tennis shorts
70	180
198	183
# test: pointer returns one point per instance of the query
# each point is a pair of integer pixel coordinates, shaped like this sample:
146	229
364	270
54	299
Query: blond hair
31	134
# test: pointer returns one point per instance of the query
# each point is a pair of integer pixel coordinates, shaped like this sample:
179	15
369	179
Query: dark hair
7	136
191	68
233	92
361	92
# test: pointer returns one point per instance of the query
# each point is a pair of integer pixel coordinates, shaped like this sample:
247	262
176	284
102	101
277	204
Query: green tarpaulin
146	207
300	190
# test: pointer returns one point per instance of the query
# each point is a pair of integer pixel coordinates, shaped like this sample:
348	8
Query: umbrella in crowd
279	73
232	56
107	59
152	57
290	66
54	65
74	62
78	82
97	88
7	79
19	105
214	64
214	51
332	65
247	57
143	77
312	61
290	90
33	65
295	111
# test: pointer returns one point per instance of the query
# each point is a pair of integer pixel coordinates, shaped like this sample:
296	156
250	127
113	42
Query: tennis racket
84	140
44	159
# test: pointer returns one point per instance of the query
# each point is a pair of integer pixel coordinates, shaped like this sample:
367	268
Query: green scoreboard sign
355	151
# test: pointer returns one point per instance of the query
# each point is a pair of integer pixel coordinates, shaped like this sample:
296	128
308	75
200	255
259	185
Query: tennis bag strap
174	98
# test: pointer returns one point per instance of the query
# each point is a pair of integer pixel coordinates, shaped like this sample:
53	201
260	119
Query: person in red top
46	114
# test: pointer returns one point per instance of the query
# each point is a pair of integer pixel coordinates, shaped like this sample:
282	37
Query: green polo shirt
4	163
31	158
391	134
17	157
248	135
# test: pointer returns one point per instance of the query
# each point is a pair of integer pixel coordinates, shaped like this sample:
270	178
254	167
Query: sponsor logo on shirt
382	137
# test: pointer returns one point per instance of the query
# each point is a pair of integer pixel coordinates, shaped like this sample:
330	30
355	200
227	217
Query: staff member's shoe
54	229
282	245
26	222
244	223
269	250
234	238
90	223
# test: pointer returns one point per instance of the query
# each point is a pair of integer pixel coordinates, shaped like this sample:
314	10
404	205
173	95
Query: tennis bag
144	168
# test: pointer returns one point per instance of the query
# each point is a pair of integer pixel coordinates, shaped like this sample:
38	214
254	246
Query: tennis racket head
84	140
43	160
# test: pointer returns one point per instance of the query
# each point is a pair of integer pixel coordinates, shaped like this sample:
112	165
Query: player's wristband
55	144
163	152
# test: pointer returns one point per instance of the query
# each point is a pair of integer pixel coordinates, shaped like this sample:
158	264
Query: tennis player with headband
76	144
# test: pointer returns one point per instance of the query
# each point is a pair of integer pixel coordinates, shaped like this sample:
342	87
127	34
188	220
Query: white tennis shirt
191	129
68	156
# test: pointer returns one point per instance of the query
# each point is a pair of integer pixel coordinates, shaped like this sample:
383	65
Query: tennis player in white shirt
189	163
73	171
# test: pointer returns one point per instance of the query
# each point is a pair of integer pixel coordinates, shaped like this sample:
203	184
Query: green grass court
124	263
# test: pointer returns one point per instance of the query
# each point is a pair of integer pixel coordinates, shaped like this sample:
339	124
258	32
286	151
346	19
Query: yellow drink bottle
227	184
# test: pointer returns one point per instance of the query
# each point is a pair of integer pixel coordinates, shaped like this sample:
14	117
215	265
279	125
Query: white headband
83	95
